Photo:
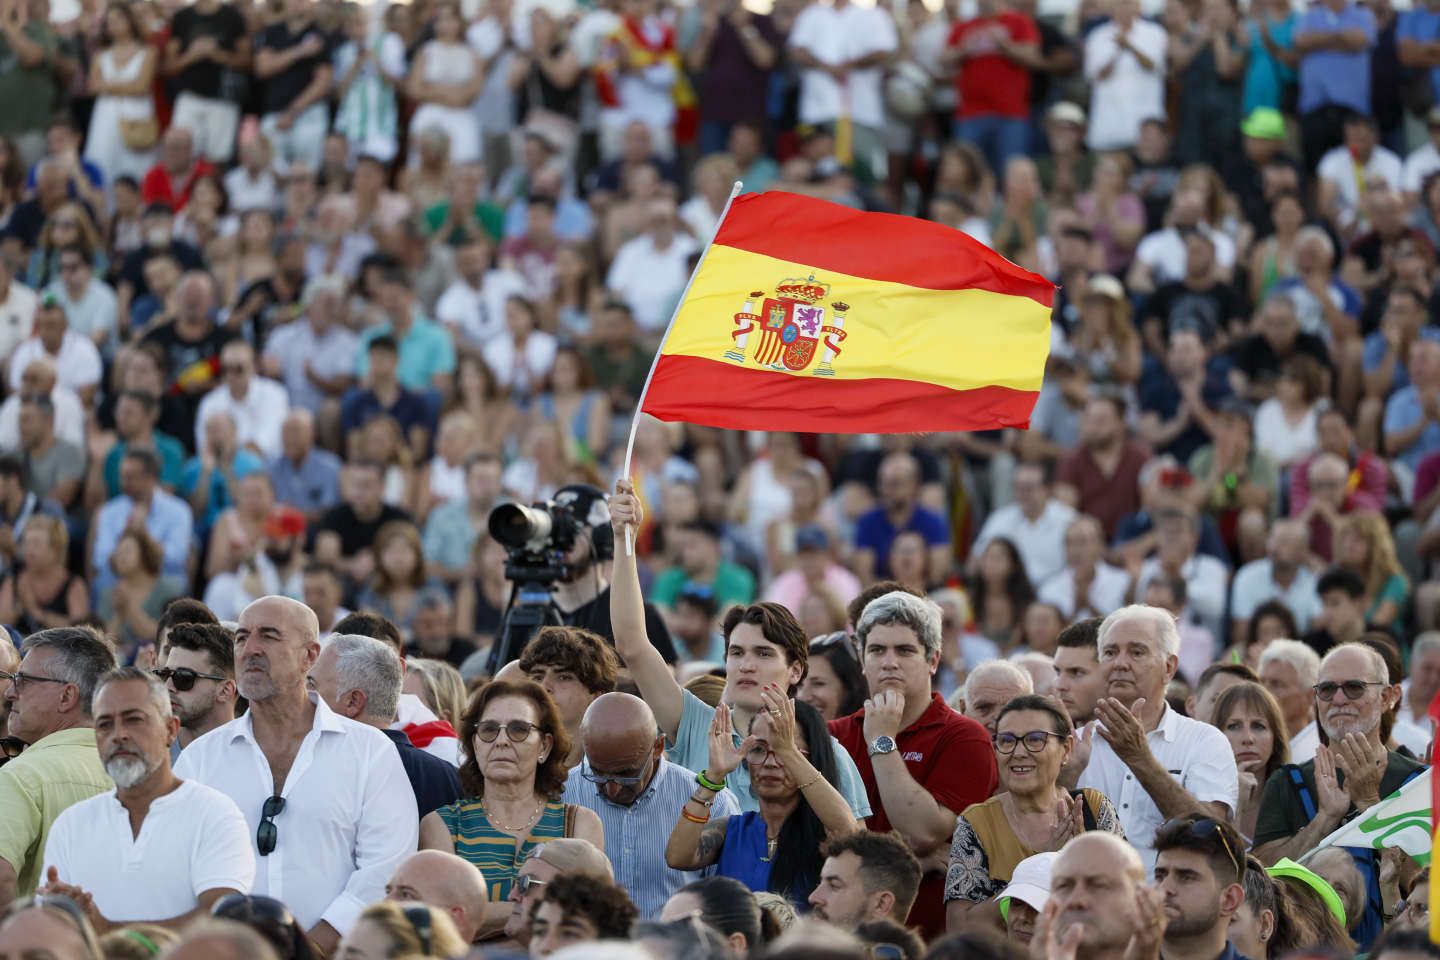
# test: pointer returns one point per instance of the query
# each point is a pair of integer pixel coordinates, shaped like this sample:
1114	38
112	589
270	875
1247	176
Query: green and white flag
1400	820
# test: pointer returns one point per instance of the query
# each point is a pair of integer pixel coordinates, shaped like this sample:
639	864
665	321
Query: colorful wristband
705	782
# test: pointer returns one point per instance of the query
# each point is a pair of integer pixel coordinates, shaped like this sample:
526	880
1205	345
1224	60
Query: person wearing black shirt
207	59
347	530
433	631
1197	302
191	342
1258	358
157	225
292	63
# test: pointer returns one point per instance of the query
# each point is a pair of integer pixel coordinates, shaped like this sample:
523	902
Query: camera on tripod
537	539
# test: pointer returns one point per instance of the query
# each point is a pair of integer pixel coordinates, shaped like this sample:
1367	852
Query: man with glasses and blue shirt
49	698
326	798
1304	804
626	779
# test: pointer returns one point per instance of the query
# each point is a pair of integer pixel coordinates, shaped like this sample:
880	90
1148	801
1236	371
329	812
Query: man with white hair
1279	575
1288	669
922	763
156	849
1419	688
1040	667
989	687
1151	762
360	678
325	798
1336	306
1303	805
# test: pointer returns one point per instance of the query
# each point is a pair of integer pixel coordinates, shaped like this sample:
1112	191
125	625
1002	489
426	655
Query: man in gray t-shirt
54	469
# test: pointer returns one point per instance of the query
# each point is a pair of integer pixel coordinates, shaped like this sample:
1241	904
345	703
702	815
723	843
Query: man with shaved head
446	882
626	779
1098	895
326	798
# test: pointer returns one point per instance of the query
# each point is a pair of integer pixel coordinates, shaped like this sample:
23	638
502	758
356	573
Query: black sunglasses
1354	689
1204	828
268	833
525	881
184	678
419	917
517	730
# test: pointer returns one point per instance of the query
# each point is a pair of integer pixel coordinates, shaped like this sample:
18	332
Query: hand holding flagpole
640	400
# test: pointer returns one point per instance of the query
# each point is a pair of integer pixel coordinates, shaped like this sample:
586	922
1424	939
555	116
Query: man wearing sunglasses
49	699
156	849
325	798
199	670
1303	804
626	779
1199	872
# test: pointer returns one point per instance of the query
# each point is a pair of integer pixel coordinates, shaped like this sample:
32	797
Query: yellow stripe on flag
962	339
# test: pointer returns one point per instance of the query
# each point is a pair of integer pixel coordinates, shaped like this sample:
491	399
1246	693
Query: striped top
491	849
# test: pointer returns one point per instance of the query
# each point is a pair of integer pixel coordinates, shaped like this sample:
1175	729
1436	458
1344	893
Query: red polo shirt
949	755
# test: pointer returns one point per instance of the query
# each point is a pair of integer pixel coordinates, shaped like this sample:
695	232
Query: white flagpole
640	400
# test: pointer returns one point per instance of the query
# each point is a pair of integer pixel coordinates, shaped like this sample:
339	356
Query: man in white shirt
156	849
1357	165
842	50
1087	586
1035	522
473	307
1151	762
1279	575
257	404
1162	256
1206	578
1288	669
314	355
650	271
1125	64
40	377
1423	160
326	798
76	360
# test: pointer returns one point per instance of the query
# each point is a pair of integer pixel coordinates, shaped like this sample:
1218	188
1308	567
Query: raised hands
724	755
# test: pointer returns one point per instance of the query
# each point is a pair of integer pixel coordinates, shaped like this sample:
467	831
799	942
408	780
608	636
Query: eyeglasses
1354	689
21	680
756	755
524	882
602	780
184	678
10	748
1035	740
419	917
517	730
1203	828
1416	909
268	833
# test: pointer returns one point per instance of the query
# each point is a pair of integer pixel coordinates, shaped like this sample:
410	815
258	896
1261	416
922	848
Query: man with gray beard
49	699
156	849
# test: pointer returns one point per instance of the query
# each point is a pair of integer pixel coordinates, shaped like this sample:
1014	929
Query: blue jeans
998	138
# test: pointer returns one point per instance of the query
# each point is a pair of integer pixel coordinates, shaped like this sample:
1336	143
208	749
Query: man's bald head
445	882
300	617
1093	882
621	739
219	939
276	643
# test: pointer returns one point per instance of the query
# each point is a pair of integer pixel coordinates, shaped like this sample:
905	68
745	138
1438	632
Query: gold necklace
524	826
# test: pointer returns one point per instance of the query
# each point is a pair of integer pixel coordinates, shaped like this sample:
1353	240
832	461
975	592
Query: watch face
883	745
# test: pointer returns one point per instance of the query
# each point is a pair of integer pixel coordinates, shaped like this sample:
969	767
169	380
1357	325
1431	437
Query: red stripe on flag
698	390
877	246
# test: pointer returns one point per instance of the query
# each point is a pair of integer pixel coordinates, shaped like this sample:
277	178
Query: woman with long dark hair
834	684
776	848
1000	591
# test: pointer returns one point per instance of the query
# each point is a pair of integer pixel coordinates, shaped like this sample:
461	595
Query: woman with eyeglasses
834	684
776	848
513	772
1251	720
1031	814
389	929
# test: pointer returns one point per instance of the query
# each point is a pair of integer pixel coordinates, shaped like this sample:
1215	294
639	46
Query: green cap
1286	867
1264	123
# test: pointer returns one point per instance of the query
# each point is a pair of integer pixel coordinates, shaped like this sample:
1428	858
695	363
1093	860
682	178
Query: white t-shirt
77	365
253	193
1303	744
1106	595
479	315
17	316
839	35
1422	162
257	417
1041	542
193	839
1338	168
1283	443
1207	585
1195	754
650	280
1131	94
1163	252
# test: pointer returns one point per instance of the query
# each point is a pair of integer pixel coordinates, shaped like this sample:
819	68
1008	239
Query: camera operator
582	597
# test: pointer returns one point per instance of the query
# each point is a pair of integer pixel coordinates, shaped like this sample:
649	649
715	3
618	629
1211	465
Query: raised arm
658	686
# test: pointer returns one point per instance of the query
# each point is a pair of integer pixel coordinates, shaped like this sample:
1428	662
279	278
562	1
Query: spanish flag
805	315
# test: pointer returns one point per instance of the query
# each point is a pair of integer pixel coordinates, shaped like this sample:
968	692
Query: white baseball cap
1029	883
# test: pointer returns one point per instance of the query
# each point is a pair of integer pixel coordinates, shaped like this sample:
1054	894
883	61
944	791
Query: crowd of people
293	296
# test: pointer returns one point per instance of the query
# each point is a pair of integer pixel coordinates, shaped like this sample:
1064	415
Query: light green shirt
55	772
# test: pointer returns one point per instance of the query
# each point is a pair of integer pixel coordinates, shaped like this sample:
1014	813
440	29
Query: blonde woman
1363	544
438	685
389	929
